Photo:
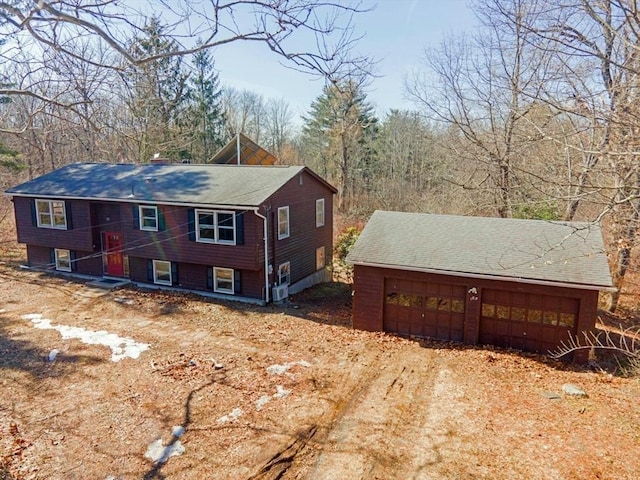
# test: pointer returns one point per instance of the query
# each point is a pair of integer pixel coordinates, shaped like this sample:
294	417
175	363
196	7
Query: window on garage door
526	321
425	309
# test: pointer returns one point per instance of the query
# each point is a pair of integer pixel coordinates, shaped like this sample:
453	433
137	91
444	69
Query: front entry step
108	283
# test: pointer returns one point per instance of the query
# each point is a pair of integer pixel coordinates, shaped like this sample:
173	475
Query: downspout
266	255
238	149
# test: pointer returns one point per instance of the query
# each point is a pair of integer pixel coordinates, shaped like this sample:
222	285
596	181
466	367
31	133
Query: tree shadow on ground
24	355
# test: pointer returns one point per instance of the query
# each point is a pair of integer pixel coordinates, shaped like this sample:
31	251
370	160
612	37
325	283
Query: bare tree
245	112
279	126
65	26
597	46
485	87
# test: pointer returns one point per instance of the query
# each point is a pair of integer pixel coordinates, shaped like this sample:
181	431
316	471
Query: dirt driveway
282	392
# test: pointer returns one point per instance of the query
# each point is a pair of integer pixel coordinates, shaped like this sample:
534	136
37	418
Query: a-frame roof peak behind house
241	150
162	183
523	250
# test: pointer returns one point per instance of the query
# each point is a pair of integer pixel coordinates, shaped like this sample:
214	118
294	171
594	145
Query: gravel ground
285	392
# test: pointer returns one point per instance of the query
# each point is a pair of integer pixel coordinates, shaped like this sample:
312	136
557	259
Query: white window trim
216	228
142	217
215	281
155	273
282	235
320	209
288	265
324	257
50	203
59	251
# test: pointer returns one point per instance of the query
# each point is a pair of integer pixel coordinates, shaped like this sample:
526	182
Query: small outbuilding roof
241	150
529	251
242	185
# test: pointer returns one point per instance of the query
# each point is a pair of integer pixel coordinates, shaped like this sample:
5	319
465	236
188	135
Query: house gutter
266	254
133	200
479	276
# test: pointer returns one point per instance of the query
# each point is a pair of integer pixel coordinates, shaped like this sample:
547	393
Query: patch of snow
234	415
280	369
262	401
121	347
281	392
52	355
178	431
158	453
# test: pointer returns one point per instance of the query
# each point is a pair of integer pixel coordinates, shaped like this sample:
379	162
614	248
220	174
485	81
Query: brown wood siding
88	263
368	298
77	237
105	217
85	263
369	311
194	277
39	257
304	237
173	242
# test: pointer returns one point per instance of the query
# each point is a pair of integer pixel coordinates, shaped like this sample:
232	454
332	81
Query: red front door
113	253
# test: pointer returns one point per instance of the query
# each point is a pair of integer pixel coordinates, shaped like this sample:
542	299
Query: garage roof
163	183
530	251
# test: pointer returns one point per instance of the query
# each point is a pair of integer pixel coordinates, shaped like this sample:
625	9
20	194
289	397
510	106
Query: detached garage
525	284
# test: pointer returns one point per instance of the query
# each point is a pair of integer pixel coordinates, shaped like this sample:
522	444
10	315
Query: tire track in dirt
389	429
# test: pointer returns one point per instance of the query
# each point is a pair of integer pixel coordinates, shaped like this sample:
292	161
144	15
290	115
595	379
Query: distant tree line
534	115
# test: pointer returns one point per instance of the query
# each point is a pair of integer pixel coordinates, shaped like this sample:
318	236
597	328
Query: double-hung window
162	272
148	218
51	214
223	280
63	260
284	273
214	226
320	212
283	222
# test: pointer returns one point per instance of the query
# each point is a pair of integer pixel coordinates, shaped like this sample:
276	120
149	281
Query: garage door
424	309
535	323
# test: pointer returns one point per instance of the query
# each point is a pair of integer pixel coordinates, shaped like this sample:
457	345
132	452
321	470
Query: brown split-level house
523	284
250	233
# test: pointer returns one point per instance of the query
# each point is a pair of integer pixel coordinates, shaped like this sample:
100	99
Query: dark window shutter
136	216
191	217
34	214
52	254
72	257
162	224
210	278
67	212
174	273
237	282
240	228
150	270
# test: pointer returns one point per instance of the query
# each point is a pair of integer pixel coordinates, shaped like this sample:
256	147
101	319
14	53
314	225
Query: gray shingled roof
525	250
162	183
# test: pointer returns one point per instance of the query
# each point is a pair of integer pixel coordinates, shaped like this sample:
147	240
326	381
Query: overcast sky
396	32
